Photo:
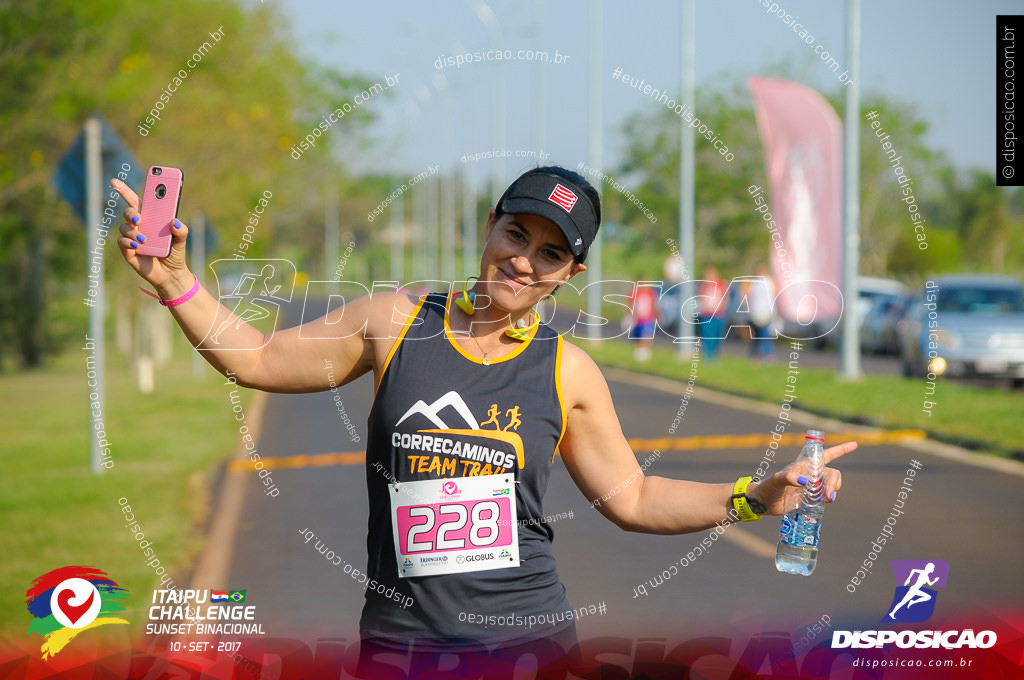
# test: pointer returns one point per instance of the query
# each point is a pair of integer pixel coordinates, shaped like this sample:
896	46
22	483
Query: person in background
711	311
643	319
760	292
672	272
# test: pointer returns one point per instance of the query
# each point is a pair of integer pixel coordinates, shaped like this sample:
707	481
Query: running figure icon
250	307
915	594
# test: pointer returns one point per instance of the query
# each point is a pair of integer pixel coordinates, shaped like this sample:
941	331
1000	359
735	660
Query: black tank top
429	385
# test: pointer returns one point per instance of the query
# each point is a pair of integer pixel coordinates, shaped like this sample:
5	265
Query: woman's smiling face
525	258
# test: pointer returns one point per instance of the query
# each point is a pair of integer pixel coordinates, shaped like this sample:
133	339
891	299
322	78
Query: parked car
870	289
873	288
966	325
880	330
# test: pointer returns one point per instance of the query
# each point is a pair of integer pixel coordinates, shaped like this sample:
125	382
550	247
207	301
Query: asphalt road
953	513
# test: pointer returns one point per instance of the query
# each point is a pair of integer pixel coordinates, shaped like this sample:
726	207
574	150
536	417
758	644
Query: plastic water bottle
798	537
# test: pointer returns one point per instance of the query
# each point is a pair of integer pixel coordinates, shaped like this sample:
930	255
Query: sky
939	55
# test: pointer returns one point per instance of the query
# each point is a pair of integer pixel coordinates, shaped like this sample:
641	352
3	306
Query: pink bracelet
176	301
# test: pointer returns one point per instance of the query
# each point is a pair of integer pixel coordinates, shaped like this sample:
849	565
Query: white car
967	325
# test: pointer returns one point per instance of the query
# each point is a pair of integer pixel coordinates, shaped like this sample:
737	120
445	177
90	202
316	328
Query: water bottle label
800	530
786	530
811	531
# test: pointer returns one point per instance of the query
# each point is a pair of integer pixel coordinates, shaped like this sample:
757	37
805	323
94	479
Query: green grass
55	512
985	420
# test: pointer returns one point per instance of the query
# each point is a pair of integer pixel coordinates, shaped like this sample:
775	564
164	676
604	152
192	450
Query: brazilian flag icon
237	596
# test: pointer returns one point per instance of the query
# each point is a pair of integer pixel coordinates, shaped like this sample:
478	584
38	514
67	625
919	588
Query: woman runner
473	400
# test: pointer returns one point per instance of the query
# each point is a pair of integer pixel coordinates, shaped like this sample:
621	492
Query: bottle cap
816	435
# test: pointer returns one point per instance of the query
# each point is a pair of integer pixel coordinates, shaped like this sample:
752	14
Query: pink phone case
158	210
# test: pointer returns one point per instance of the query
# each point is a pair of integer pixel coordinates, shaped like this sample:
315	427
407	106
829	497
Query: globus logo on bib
916	581
479	557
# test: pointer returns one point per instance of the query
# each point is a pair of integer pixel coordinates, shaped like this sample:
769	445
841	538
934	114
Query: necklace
485	361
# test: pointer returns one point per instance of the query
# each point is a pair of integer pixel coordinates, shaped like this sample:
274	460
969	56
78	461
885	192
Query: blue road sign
69	176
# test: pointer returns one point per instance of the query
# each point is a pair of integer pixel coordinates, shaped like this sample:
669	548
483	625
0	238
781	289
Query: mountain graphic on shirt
454	400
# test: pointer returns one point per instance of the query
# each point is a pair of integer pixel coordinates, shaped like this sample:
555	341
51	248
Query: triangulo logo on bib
914	601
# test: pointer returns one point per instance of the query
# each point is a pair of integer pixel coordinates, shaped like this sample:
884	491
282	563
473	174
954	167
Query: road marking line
729	441
750	542
303	461
744	441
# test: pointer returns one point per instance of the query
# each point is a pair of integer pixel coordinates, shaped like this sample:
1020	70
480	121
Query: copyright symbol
1008	171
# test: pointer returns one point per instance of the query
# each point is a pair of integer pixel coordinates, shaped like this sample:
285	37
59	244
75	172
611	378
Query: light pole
850	361
686	171
594	153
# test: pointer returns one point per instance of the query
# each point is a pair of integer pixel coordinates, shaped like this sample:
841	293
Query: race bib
452	526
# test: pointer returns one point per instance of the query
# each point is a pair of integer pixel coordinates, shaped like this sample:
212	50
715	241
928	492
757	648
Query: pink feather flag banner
801	136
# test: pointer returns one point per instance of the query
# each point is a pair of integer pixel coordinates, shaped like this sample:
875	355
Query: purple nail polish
133	244
135	219
801	480
177	224
141	238
832	496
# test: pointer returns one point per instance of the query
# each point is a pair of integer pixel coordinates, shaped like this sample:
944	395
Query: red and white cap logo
562	197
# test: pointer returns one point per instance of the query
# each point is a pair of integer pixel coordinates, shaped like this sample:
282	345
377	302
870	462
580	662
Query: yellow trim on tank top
448	333
394	348
558	391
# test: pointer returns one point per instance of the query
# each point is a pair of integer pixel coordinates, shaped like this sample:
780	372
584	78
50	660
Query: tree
230	121
729	233
984	219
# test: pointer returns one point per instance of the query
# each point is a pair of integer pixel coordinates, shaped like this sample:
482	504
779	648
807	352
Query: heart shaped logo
73	612
67	600
75	603
450	488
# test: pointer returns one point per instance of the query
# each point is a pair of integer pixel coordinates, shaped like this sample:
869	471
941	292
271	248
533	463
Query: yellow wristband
739	500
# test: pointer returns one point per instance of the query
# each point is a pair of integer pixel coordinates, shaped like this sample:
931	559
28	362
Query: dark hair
574	177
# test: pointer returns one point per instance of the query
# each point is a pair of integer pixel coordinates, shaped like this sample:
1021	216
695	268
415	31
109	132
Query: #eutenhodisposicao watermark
886	533
783	420
681	110
621	188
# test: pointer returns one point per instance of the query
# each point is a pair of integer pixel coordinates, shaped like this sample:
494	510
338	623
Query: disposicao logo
66	601
912	602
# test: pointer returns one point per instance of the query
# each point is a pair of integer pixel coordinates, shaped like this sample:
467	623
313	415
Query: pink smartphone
158	209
